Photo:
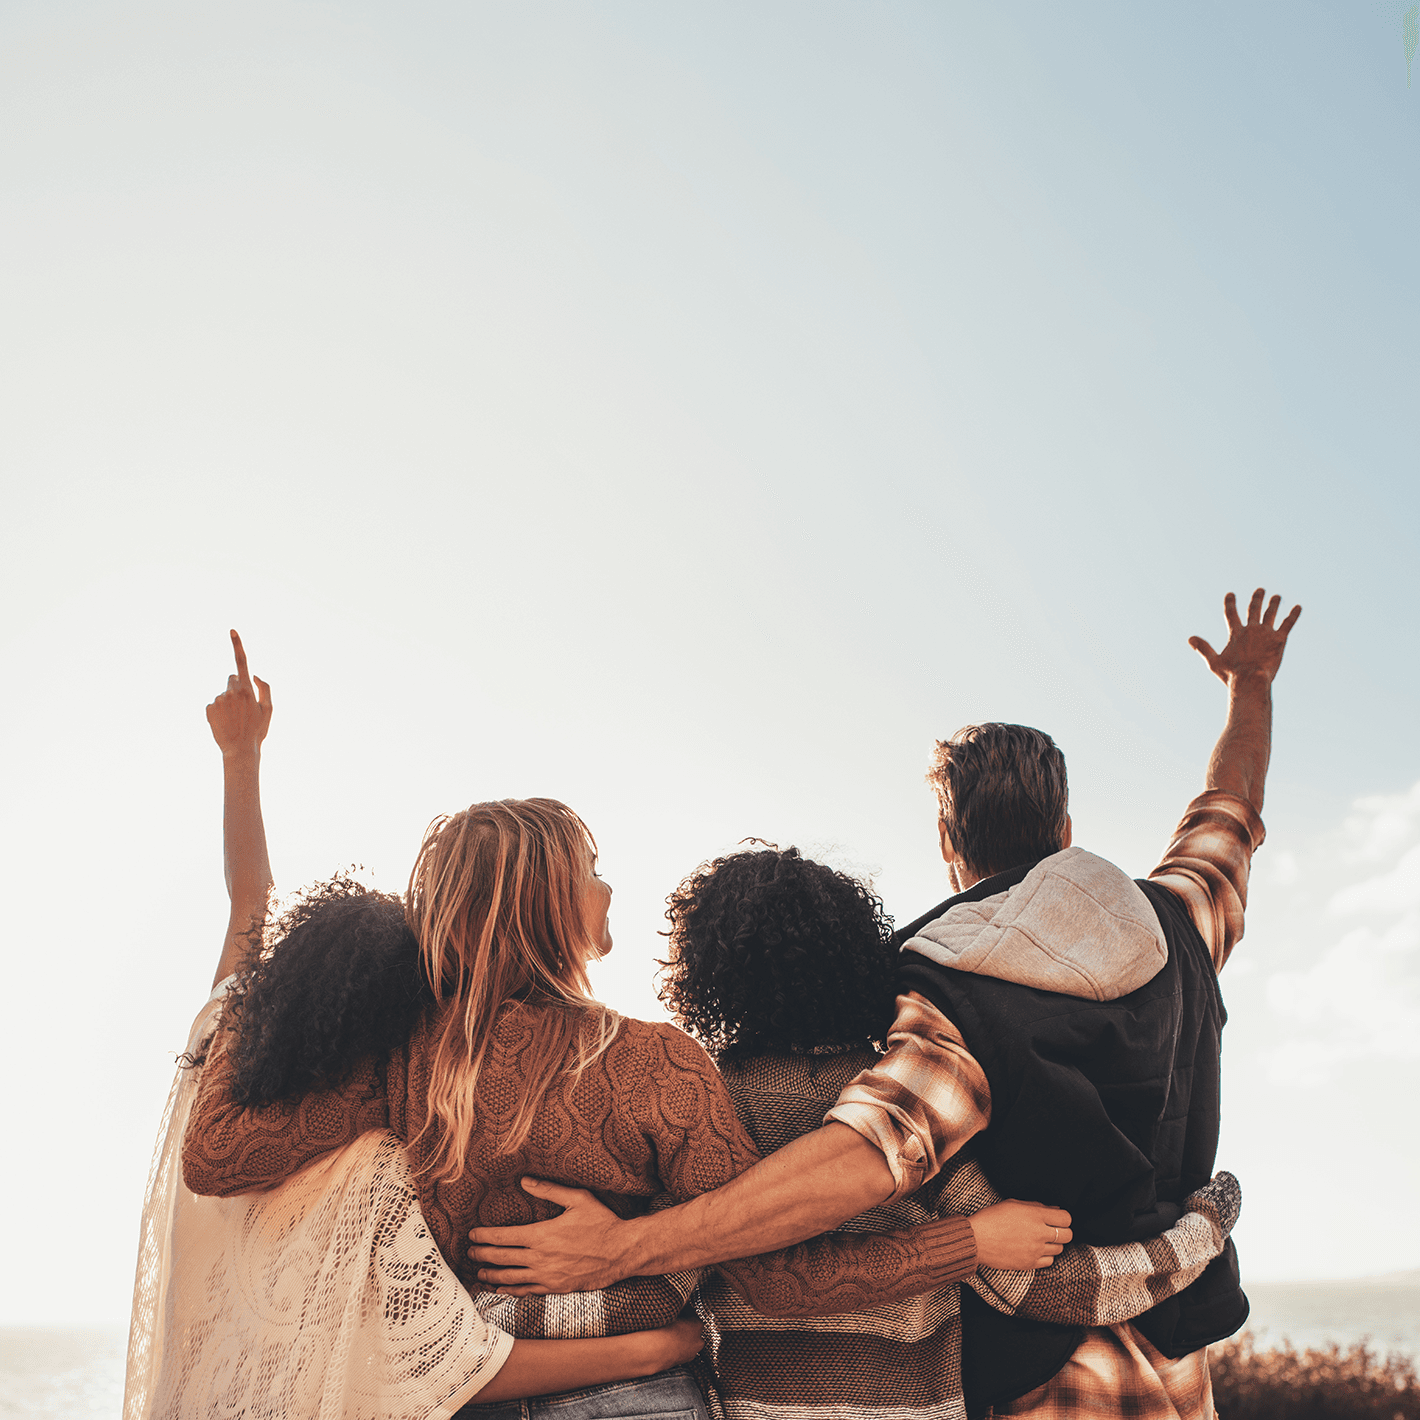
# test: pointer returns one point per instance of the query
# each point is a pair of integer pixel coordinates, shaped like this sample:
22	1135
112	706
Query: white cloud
1361	997
1380	824
1283	868
1397	890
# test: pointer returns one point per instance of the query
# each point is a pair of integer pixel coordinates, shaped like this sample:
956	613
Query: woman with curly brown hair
783	968
468	1030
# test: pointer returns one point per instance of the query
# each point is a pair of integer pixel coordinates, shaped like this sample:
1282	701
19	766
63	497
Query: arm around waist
850	1272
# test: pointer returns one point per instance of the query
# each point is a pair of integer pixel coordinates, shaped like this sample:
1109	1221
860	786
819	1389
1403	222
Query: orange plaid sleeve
923	1100
1207	865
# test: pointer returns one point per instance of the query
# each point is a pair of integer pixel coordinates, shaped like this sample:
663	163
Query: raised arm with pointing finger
240	717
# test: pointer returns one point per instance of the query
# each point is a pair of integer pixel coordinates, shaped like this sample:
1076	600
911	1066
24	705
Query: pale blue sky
689	411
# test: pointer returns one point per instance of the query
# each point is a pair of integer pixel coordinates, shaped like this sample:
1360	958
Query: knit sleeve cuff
949	1246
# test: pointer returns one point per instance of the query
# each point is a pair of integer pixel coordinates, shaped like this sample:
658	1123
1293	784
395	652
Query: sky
690	412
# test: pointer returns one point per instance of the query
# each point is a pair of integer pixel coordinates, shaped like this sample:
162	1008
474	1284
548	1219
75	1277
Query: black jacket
1107	1108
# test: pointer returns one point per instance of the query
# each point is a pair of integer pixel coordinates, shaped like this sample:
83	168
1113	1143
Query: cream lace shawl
325	1298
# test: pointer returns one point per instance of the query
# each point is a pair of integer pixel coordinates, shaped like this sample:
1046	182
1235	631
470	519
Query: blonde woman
325	1297
492	1062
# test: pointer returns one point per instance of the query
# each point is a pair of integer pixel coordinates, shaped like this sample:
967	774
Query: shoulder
810	1077
661	1039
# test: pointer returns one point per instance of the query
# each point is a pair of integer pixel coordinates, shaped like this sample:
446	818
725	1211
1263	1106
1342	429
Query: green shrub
1325	1384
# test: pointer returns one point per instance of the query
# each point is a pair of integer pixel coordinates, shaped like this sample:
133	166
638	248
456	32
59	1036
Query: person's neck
962	878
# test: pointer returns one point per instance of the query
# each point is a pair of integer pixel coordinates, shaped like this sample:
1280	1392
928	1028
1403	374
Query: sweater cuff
949	1247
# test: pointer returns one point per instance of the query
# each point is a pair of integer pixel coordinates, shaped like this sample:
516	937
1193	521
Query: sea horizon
52	1369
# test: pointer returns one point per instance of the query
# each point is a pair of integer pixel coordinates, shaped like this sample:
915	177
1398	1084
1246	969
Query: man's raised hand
1254	649
241	714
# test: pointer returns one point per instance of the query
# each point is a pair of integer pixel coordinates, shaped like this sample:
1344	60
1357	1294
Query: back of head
772	952
340	982
497	900
1002	794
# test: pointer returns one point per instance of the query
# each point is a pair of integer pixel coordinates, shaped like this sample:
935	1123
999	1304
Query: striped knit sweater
898	1359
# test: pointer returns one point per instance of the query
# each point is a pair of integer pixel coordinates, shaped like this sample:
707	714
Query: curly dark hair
340	982
772	952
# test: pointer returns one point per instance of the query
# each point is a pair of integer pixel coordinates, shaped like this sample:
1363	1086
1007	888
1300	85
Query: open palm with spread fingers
1254	648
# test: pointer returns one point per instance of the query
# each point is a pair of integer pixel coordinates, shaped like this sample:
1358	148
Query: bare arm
802	1190
1247	665
239	718
843	1272
545	1367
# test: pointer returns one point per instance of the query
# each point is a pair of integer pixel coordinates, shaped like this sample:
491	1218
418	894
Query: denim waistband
670	1395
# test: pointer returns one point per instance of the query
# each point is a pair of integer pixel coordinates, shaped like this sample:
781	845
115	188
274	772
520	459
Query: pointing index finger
242	673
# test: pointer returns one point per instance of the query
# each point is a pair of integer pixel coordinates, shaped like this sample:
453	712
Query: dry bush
1325	1384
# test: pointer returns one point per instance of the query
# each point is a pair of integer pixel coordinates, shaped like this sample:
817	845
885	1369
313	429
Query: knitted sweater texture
649	1119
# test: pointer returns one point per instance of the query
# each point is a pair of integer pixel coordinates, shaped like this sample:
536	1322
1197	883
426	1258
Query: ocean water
62	1371
1383	1310
77	1373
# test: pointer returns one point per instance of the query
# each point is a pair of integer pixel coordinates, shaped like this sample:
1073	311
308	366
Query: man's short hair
1003	795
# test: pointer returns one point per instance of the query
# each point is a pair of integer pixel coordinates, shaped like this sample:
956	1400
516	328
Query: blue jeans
671	1395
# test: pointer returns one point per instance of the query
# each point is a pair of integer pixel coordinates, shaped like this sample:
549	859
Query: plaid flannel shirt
928	1096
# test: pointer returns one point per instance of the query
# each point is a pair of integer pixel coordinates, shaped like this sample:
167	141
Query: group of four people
387	1103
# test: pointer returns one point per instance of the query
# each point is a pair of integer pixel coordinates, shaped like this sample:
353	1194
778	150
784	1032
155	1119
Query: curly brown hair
772	952
340	981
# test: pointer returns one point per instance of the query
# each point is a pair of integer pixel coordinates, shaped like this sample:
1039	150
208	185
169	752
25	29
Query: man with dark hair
1003	798
1062	1019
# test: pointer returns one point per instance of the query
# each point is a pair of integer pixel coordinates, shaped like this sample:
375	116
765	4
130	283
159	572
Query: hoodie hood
1074	925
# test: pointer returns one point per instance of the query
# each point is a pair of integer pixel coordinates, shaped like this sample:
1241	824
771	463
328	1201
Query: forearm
1239	761
1106	1285
806	1188
247	866
847	1272
546	1367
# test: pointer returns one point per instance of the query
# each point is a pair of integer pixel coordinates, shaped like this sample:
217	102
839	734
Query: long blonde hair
496	902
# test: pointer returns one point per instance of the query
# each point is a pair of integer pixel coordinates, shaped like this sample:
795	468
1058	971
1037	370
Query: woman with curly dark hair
773	953
783	968
463	1024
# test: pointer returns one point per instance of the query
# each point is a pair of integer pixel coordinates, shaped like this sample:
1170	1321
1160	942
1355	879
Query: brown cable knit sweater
650	1117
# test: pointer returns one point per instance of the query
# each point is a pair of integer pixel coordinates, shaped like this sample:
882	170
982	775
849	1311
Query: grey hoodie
1075	925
